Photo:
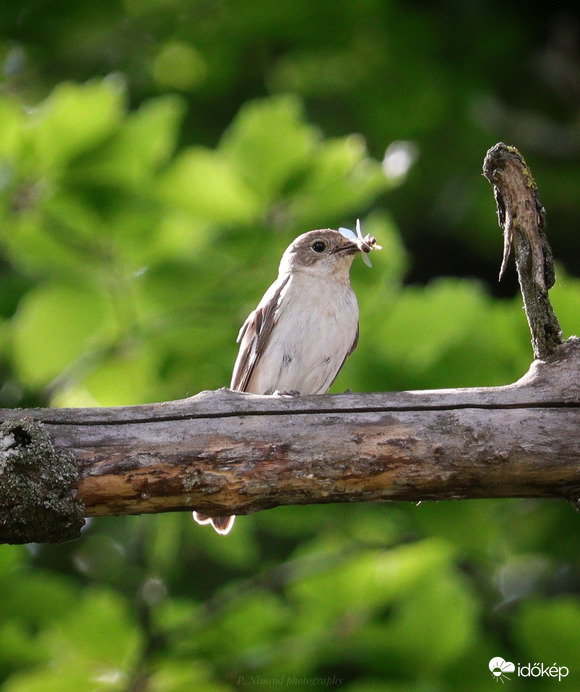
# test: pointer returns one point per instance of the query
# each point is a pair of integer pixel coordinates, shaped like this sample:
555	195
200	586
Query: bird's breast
315	328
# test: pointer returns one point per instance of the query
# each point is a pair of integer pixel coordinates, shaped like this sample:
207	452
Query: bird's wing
354	345
255	333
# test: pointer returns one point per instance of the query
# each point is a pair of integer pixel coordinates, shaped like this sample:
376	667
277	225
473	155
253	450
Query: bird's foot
287	392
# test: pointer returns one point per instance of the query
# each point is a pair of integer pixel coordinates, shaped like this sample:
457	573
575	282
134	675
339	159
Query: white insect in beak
365	243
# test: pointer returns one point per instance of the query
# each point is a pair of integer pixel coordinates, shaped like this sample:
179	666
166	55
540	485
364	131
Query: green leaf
19	646
367	582
126	376
184	676
436	332
208	185
57	323
91	646
565	297
12	121
36	597
264	610
433	625
269	142
65	235
66	678
179	66
145	140
99	631
74	119
11	556
547	631
342	179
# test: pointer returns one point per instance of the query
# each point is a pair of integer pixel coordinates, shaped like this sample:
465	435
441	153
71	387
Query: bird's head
325	252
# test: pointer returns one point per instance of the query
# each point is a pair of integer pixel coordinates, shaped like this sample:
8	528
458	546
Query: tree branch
38	500
523	219
227	452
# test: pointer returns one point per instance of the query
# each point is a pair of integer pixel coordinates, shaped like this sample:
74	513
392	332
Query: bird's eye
319	246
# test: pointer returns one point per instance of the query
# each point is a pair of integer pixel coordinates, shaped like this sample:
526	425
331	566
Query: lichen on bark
37	486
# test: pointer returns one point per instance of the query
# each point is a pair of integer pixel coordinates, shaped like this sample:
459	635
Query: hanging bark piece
522	218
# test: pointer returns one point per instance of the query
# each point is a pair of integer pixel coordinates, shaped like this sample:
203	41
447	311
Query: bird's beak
347	248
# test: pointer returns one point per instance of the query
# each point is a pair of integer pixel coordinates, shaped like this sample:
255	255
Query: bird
304	328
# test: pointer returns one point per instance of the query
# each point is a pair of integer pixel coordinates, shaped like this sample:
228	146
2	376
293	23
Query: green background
156	157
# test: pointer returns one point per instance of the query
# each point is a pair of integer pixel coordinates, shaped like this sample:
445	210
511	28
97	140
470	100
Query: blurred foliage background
156	157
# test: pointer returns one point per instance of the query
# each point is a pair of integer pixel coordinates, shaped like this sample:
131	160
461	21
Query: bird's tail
223	525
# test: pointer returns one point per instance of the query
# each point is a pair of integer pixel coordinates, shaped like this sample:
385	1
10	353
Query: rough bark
523	220
226	452
38	498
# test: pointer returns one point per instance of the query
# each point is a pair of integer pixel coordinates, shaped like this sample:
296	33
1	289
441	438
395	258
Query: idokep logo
500	668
